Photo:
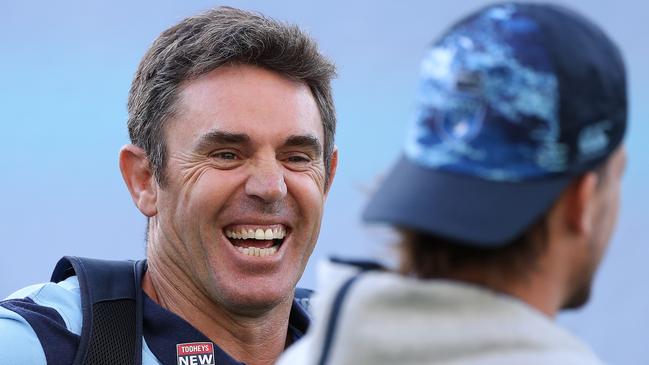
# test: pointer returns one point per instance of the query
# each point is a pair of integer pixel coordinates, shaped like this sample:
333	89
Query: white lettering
195	348
205	359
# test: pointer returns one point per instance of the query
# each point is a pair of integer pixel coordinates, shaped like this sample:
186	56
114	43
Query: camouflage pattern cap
514	101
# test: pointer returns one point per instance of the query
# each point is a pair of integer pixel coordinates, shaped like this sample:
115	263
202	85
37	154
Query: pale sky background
65	70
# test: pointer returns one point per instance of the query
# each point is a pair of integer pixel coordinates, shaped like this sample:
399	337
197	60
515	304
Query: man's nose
266	181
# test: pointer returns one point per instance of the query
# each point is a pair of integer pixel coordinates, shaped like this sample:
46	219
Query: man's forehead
246	100
238	85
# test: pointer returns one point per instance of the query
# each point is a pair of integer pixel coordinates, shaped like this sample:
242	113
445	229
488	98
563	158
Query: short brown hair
218	37
428	256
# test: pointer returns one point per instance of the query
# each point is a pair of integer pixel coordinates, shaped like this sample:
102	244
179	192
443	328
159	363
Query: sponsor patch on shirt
195	353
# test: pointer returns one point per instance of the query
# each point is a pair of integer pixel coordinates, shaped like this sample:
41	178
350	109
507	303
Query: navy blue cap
515	101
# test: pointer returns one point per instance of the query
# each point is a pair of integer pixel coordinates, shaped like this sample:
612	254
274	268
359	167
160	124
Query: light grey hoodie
386	318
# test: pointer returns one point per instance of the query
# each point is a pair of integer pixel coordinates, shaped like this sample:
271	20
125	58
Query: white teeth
257	234
256	251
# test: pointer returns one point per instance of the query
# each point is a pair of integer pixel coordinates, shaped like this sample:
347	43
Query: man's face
245	186
606	201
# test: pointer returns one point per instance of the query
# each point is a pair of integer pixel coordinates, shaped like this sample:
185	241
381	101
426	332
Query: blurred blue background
65	70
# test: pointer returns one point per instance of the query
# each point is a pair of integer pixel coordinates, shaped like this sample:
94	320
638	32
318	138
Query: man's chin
252	299
579	298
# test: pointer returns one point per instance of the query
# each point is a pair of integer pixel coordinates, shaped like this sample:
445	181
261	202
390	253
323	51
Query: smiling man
232	122
244	187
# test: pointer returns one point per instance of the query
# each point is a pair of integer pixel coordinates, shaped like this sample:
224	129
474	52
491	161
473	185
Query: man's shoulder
40	322
19	343
50	299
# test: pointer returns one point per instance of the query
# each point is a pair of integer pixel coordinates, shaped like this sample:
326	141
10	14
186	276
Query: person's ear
581	203
333	165
139	179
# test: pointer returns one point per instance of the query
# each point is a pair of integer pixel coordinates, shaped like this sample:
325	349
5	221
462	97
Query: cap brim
473	211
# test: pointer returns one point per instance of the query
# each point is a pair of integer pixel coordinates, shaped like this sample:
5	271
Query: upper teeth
256	234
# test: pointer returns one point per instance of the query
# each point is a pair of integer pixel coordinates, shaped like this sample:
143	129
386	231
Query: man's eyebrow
219	137
307	140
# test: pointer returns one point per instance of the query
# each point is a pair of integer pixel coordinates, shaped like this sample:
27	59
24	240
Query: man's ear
580	204
333	165
139	179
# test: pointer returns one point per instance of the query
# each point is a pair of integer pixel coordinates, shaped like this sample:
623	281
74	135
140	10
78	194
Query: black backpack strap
333	318
337	304
111	302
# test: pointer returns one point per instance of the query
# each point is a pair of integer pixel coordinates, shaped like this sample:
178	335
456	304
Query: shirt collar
163	330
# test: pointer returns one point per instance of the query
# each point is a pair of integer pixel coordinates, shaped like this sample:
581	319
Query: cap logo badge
195	353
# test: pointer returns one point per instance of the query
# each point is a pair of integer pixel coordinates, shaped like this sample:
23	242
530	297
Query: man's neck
255	339
532	288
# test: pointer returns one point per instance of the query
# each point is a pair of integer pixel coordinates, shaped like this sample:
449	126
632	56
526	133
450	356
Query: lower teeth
256	251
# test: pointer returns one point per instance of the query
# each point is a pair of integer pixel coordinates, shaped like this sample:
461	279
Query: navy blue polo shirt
41	324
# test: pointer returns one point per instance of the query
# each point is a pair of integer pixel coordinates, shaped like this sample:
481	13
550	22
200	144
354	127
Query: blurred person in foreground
232	123
505	199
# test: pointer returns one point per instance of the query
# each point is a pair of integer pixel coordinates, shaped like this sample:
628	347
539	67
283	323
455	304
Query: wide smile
257	240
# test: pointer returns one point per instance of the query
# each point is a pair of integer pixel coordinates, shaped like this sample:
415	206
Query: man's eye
225	155
298	159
